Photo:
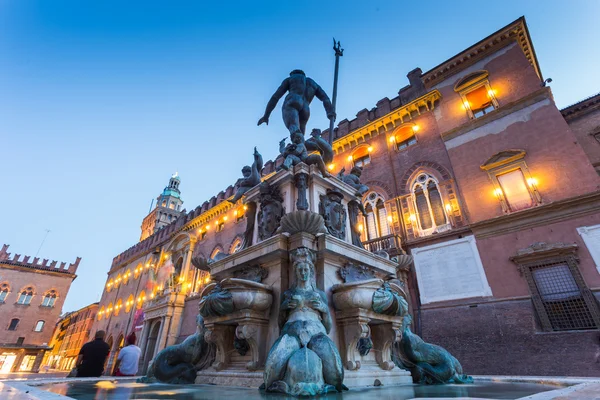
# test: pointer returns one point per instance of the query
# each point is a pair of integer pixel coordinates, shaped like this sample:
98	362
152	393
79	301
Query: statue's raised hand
331	116
263	120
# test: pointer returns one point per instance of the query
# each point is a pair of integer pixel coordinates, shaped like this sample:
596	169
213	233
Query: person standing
92	356
128	358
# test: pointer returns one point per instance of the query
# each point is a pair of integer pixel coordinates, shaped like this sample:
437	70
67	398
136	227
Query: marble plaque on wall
450	270
591	238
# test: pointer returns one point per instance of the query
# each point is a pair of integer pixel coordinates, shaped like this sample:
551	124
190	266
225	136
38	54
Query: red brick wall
501	339
553	157
510	76
582	128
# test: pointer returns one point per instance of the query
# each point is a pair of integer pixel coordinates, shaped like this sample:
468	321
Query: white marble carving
450	270
591	238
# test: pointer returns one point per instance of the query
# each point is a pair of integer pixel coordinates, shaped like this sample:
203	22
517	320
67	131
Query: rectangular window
515	190
406	143
13	324
562	299
480	101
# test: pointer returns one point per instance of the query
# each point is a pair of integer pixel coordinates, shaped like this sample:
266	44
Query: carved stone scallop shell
303	221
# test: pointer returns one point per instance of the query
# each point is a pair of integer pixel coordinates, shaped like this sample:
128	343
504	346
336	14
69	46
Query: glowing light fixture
331	166
235	213
532	182
466	105
413	217
370	149
245	207
207	227
390	219
498	192
415	128
225	218
448	207
360	227
350	158
491	92
392	139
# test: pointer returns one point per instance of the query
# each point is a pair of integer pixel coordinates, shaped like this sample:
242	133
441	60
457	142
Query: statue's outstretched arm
283	88
321	95
257	167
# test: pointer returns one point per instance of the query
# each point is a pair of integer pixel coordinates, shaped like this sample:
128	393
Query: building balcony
391	244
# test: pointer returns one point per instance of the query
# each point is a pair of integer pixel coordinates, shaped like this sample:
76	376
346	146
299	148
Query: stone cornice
545	214
581	108
398	116
543	250
503	111
515	31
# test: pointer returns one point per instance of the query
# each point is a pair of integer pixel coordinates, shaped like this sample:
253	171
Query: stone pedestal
334	251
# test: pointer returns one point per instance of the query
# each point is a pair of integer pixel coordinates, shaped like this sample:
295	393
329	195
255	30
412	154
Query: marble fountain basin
246	294
352	295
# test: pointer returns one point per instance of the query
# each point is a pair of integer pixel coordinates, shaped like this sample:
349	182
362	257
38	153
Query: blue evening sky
101	101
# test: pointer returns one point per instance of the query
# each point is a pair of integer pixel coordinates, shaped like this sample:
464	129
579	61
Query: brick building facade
474	171
32	294
72	331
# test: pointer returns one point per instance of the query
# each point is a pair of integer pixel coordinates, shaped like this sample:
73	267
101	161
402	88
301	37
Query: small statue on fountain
251	177
353	179
296	152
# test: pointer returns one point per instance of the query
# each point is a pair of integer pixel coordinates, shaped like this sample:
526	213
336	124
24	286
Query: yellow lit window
513	184
515	190
404	137
361	157
478	97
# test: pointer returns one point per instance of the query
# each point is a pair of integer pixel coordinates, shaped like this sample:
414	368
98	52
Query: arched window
4	290
138	269
172	206
13	324
404	136
429	206
49	298
25	296
361	156
39	326
164	203
129	303
236	246
126	276
141	300
216	251
118	307
376	220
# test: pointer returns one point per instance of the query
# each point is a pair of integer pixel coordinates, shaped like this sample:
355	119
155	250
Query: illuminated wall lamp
392	139
498	192
415	128
370	149
331	166
350	158
532	182
448	207
413	218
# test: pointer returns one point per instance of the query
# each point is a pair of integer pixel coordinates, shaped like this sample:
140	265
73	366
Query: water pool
110	390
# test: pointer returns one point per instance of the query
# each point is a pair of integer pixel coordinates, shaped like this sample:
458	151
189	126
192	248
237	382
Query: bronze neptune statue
304	361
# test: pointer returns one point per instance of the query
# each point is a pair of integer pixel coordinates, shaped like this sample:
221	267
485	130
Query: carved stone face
303	271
